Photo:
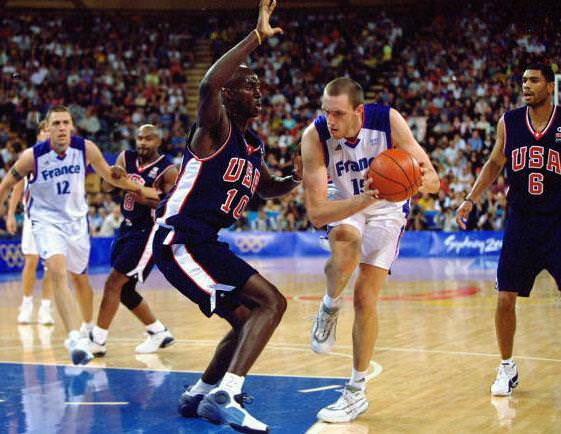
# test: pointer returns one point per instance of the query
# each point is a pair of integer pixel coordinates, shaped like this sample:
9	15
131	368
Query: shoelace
325	324
243	399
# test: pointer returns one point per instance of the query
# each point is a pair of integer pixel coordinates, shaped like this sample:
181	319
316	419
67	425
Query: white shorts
70	239
380	237
28	246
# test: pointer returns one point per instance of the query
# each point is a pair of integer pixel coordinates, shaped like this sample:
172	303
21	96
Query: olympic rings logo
253	244
11	254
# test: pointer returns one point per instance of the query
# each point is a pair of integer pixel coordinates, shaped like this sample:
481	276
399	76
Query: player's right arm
212	121
322	211
22	167
491	169
15	198
114	175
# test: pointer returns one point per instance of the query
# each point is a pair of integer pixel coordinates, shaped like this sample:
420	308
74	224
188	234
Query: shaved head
149	129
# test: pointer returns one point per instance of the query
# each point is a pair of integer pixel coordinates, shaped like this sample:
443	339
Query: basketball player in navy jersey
221	170
528	144
131	254
364	232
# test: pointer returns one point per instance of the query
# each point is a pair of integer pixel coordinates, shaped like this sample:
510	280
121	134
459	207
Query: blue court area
46	399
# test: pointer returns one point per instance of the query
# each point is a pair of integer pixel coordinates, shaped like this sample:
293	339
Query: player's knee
280	304
31	260
365	302
130	296
58	276
275	302
506	301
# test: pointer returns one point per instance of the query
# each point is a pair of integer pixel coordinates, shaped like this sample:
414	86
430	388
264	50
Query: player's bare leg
345	242
67	309
28	280
505	325
84	295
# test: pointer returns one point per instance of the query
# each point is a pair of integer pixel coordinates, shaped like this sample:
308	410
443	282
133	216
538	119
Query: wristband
258	36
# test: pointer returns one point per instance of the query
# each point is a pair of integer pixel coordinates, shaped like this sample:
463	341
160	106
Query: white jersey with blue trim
57	192
347	162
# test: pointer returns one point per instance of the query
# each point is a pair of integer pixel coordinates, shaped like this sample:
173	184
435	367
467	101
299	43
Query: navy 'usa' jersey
211	193
149	175
533	163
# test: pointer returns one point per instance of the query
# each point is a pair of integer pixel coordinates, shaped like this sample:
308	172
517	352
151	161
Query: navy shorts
206	272
132	250
531	244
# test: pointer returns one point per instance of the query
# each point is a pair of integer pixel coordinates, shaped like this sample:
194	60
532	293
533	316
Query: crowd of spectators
452	78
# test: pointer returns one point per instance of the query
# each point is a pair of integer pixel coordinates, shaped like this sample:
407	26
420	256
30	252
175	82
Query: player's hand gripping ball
395	174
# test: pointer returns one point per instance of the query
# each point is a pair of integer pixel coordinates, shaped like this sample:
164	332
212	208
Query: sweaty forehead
531	73
59	117
243	76
336	103
146	132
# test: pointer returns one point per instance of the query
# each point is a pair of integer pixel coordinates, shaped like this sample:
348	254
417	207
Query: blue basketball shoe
220	408
189	402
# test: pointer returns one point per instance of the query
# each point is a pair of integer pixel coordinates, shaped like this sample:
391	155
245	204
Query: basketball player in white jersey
363	230
58	211
30	253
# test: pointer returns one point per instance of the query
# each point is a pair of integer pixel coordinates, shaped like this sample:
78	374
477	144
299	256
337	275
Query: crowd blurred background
452	74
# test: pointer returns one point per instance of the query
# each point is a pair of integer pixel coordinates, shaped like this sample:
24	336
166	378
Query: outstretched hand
463	213
266	8
118	172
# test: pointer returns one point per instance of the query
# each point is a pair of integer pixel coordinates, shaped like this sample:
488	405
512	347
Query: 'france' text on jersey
57	187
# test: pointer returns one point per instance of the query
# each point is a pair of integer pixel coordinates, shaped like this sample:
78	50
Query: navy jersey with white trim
533	163
211	193
149	176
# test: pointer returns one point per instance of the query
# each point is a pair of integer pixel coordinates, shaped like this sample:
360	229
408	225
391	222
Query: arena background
451	67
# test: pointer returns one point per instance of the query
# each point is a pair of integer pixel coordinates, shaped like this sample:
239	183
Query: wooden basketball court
435	359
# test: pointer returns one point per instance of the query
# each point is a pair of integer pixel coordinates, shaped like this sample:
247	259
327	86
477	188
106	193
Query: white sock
99	335
232	383
509	362
74	335
201	388
358	379
332	303
27	300
45	302
155	327
88	326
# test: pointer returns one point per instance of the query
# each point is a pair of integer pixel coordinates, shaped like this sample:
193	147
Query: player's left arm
271	186
403	139
114	175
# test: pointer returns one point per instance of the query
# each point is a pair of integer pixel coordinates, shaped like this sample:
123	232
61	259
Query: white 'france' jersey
57	188
347	163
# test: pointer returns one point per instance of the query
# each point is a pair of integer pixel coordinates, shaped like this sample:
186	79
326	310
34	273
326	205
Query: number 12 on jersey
63	187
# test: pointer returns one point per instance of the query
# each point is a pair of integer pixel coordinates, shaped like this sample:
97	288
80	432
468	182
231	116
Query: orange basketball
395	174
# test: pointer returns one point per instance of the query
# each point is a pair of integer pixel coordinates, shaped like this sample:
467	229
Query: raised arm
212	121
403	138
491	169
322	211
